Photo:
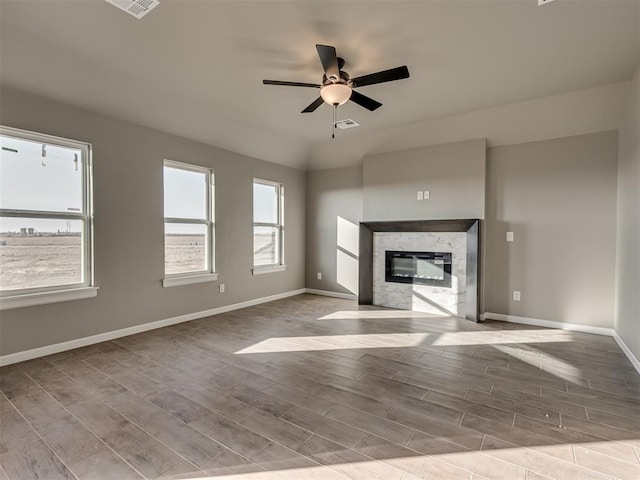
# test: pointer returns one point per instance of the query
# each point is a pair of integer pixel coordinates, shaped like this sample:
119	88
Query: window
188	224
45	218
267	226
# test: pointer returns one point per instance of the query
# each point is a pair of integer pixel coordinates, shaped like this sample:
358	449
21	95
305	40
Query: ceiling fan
337	87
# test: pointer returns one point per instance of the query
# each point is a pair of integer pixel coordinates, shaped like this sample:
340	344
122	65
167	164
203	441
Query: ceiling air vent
348	123
137	8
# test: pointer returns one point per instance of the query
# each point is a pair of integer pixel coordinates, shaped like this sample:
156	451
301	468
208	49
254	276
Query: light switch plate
420	195
509	236
426	194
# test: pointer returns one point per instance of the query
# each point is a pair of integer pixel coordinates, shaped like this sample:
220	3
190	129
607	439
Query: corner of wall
627	282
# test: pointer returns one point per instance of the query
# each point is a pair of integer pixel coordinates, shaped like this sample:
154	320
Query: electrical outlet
319	275
222	288
426	194
420	195
516	296
509	236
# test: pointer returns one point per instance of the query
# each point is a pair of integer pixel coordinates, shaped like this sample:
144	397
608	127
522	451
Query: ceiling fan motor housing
344	78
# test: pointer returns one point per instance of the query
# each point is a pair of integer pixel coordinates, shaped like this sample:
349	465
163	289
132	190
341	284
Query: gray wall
454	174
627	321
333	197
559	198
128	203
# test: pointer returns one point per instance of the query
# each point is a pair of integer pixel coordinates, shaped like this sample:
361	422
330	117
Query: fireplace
460	299
424	268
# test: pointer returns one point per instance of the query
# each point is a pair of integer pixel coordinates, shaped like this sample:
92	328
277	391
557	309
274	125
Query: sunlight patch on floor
496	337
373	314
543	361
335	342
398	340
563	460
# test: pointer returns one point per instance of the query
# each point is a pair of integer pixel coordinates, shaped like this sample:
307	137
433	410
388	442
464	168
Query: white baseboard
549	324
327	293
627	351
103	337
609	332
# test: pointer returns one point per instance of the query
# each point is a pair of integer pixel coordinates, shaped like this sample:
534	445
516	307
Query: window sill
272	269
43	298
189	280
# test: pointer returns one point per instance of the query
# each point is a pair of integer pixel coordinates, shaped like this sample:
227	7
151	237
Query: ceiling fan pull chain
335	119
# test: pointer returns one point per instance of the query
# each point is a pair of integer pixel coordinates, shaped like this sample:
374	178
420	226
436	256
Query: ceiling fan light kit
336	93
337	87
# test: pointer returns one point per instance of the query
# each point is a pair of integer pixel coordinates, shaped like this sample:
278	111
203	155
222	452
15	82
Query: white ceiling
194	67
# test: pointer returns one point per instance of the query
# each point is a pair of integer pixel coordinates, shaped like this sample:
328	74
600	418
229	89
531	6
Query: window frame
279	225
208	273
53	293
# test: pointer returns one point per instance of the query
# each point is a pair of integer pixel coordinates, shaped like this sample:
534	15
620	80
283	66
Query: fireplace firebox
424	268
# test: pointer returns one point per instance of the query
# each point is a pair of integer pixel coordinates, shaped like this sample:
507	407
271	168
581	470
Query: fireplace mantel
470	226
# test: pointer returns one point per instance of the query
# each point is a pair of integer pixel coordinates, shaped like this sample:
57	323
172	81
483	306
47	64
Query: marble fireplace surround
470	226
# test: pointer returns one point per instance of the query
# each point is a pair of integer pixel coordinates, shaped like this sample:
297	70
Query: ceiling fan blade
312	108
364	101
291	84
329	60
390	75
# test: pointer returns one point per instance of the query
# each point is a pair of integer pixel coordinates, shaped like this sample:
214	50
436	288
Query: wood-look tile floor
315	388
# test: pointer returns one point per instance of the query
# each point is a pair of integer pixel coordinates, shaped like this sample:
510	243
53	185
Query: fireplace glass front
424	268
